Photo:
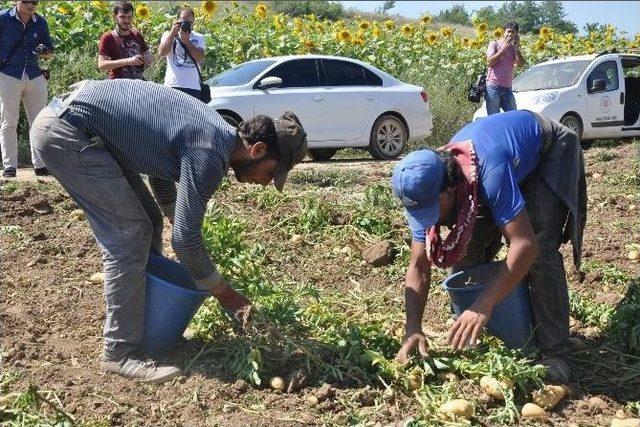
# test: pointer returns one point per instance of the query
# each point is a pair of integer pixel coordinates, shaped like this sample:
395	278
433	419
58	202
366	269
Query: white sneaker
146	370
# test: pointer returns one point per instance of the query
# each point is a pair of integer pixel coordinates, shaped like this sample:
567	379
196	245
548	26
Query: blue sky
625	15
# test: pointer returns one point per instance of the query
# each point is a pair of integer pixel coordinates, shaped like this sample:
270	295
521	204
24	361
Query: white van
597	96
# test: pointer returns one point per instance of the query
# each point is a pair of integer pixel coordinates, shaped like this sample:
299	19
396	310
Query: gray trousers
123	215
546	277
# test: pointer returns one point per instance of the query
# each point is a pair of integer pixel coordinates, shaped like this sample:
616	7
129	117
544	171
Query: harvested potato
549	396
97	278
77	215
533	412
297	239
494	387
277	383
312	400
457	408
633	255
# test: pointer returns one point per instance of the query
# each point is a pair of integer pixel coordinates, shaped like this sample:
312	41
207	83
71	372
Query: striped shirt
171	137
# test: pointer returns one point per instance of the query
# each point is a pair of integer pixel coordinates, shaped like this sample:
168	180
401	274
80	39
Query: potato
297	239
97	278
458	408
632	207
548	396
633	255
627	422
77	215
277	383
533	412
311	400
493	387
596	175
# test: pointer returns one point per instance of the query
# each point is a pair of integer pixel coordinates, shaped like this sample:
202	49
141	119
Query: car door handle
621	97
318	98
370	97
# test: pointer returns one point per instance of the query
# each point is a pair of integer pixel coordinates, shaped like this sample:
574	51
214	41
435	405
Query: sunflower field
443	59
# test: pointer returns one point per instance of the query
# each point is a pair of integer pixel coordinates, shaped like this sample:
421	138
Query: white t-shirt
181	71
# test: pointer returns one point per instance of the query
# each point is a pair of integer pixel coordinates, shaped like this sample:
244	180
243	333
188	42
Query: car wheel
322	154
388	137
231	119
573	123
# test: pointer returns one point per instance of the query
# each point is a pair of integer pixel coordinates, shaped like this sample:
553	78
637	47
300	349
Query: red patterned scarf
445	254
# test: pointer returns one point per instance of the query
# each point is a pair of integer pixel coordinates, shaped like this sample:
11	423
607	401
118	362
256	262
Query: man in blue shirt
515	175
24	37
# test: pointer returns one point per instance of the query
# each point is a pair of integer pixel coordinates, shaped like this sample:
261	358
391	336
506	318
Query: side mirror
270	82
598	85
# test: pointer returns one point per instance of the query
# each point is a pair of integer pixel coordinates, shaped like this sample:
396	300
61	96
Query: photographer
122	52
502	57
24	38
181	46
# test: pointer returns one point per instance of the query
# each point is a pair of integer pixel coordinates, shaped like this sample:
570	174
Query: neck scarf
445	254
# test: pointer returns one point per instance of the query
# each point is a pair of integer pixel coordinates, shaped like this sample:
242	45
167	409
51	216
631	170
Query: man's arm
165	193
519	57
495	54
166	42
196	53
46	40
417	283
105	63
523	249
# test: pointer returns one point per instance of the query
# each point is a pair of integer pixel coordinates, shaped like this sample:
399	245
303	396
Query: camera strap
187	52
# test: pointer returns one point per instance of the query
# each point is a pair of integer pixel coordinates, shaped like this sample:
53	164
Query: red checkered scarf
445	254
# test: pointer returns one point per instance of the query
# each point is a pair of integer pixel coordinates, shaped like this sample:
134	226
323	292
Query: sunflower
63	9
545	32
539	46
498	32
142	10
298	25
364	25
389	24
261	11
376	33
426	19
209	8
343	35
320	27
358	41
407	30
308	45
465	41
475	43
431	38
278	23
482	27
100	5
446	31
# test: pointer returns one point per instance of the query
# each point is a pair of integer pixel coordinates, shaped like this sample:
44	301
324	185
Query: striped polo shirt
171	137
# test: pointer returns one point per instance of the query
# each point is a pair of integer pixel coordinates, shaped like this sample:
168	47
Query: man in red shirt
122	52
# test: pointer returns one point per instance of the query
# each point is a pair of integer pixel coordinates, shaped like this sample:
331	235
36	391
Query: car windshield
241	74
550	76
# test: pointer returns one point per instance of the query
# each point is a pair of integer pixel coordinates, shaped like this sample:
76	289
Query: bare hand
175	29
410	342
468	328
136	61
184	36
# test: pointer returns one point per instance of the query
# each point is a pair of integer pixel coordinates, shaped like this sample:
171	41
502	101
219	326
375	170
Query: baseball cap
292	140
417	181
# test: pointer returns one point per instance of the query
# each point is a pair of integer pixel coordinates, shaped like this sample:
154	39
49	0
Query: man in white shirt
181	46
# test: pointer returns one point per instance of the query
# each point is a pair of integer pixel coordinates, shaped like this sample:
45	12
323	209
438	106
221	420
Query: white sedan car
341	102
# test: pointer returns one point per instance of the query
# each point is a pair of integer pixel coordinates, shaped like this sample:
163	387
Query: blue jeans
497	97
123	215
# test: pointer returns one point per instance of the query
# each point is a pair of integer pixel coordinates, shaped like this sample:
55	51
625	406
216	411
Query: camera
40	49
185	26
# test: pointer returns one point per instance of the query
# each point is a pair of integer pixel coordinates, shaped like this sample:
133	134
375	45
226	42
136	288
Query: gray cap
292	140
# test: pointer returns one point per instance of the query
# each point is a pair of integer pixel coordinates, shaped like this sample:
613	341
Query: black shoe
9	173
41	171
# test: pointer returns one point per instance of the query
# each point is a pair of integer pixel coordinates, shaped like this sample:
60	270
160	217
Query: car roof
590	57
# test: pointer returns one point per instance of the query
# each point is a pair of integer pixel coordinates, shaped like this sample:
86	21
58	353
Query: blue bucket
511	320
171	302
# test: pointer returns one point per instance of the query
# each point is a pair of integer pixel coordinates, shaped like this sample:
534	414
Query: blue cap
417	181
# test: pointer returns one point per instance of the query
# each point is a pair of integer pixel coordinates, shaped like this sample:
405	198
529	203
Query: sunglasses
35	3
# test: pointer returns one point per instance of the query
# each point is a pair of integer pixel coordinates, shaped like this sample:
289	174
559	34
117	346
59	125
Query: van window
607	71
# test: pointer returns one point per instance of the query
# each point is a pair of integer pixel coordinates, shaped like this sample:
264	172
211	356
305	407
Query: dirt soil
51	315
